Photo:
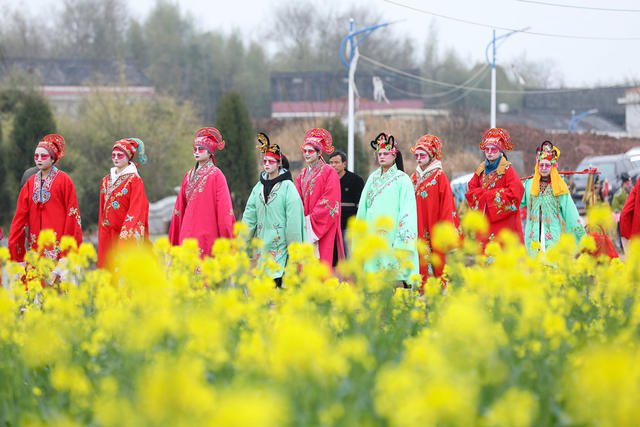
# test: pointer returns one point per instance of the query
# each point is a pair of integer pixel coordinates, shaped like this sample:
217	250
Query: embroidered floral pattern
42	190
130	233
198	180
421	184
309	177
381	181
110	198
75	213
332	211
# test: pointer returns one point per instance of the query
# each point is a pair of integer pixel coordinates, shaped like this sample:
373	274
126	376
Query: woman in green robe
274	211
389	193
550	208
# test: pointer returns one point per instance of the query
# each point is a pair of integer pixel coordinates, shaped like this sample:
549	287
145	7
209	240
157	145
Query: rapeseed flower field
170	339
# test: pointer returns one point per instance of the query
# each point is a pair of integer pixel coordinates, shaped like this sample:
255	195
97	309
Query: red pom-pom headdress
431	144
55	145
497	137
320	139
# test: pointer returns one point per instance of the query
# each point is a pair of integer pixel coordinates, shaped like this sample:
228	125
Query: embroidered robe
435	203
497	195
548	216
203	208
277	221
319	189
48	203
124	213
391	195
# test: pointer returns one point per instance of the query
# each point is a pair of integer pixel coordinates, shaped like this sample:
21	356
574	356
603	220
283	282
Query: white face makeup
310	154
43	159
385	158
200	154
120	159
492	153
422	157
270	164
544	166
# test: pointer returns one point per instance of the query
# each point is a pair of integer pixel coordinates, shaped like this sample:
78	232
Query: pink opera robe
319	188
203	209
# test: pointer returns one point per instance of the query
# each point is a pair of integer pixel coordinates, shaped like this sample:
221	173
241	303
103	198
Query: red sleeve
73	223
17	233
626	216
474	193
224	208
299	185
326	211
447	206
178	214
503	202
136	222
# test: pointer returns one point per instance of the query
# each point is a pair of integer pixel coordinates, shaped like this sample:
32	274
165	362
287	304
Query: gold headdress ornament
265	146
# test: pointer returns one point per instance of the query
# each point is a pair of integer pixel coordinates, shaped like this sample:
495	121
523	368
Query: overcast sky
579	61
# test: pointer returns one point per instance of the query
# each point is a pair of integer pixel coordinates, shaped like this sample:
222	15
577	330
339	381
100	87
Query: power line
571	6
497	27
478	89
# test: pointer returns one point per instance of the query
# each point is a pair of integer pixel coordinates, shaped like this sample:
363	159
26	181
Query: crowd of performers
401	209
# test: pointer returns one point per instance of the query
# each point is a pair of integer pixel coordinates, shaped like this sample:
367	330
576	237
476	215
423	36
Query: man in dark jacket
351	186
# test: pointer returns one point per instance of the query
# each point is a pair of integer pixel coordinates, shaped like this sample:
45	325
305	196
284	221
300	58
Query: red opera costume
203	210
495	188
435	203
319	188
124	208
46	203
630	215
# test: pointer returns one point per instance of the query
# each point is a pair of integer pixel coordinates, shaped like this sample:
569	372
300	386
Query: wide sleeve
447	206
224	209
73	223
178	213
502	202
136	221
326	210
526	195
249	216
626	216
474	193
17	232
407	228
294	211
572	222
362	203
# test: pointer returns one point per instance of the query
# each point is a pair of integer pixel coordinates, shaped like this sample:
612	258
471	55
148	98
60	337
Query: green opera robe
391	194
549	216
277	220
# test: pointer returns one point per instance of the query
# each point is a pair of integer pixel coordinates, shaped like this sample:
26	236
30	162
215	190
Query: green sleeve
572	221
249	216
407	226
294	213
527	194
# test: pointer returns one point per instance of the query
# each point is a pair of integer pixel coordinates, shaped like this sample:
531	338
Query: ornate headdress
497	137
431	144
385	142
265	146
209	138
55	145
320	139
547	151
131	146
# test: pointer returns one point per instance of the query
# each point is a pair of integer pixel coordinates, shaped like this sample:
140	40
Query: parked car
609	167
634	156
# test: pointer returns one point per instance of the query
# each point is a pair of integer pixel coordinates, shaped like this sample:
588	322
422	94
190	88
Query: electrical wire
478	89
571	6
533	33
